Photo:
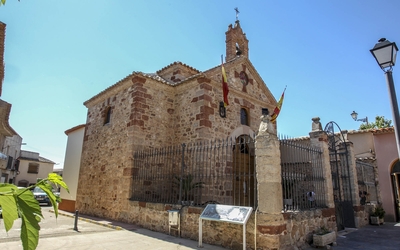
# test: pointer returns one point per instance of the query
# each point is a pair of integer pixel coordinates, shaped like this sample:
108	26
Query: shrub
379	212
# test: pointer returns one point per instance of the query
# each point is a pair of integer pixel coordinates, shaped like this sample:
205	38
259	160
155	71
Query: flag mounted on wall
278	107
225	88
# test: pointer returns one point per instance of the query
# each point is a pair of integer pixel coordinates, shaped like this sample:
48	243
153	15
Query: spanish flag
225	88
278	107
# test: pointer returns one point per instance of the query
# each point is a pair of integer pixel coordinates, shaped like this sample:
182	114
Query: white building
72	163
31	168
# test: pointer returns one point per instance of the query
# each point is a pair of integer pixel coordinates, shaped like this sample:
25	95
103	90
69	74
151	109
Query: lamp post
384	53
354	116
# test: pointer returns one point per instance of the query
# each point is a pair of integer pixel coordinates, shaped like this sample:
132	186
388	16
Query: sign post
225	213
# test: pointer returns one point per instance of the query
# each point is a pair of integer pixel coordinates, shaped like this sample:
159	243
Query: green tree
380	122
2	2
20	203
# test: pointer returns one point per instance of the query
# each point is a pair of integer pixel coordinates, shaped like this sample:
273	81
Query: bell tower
236	42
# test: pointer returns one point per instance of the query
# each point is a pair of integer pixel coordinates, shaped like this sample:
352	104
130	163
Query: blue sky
61	53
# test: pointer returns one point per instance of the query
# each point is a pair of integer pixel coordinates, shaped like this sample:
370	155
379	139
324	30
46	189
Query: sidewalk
94	233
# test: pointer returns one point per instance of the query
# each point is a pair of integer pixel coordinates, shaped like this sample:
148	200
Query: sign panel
232	214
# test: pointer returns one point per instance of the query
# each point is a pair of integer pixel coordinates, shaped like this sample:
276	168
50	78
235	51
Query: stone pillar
319	139
352	169
268	168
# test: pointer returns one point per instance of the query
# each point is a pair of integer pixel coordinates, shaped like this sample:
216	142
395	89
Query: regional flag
278	108
225	88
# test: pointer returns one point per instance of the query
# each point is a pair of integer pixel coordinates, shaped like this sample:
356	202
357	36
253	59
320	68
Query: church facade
177	104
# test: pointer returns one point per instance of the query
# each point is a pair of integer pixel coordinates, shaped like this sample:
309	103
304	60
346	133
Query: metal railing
303	182
196	174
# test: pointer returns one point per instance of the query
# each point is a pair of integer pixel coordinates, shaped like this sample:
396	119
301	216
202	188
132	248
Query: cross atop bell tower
236	41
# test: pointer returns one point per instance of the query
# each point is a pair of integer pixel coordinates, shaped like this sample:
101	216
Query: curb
89	220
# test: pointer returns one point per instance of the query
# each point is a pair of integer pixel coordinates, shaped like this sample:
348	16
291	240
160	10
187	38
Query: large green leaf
29	232
21	202
8	205
29	211
48	189
57	179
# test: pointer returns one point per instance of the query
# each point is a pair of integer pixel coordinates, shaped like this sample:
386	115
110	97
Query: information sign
225	213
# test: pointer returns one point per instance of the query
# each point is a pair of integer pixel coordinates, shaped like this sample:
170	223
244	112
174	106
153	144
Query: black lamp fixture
385	53
222	110
354	116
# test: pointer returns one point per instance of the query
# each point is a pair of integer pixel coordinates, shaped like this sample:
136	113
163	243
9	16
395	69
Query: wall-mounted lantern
222	110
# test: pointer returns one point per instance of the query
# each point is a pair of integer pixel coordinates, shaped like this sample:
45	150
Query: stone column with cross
268	168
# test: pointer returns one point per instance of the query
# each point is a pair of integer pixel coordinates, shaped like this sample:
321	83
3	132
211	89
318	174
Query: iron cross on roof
237	13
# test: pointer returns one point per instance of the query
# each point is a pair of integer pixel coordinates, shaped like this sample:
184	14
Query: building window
33	168
108	116
244	119
23	183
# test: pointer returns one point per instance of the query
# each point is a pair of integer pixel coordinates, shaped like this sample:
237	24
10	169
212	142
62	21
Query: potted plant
188	188
377	216
323	237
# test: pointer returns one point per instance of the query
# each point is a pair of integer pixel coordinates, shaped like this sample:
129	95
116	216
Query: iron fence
366	183
303	182
196	174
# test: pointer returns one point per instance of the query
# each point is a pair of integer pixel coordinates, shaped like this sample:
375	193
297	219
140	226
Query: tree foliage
20	203
2	2
380	122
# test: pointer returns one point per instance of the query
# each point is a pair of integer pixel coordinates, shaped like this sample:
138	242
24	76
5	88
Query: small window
33	168
23	183
244	119
108	117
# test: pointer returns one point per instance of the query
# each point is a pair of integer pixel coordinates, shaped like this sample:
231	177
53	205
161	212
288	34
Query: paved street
95	233
370	237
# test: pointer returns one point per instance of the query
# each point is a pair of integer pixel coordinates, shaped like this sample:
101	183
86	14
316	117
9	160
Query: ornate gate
342	188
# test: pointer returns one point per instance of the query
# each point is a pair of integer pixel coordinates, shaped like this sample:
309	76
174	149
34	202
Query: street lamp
384	53
354	116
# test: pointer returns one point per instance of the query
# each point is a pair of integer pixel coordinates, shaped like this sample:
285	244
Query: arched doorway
395	176
244	181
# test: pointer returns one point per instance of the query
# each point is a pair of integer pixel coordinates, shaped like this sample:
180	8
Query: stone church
177	104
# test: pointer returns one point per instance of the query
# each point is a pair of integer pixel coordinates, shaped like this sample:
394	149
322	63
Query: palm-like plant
188	186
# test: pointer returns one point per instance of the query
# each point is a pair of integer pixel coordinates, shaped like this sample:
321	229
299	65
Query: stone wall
148	112
361	215
274	231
